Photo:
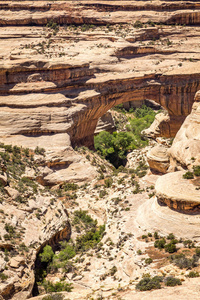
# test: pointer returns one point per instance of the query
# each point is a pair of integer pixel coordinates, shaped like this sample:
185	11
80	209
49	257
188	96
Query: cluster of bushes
67	186
84	27
92	235
193	274
48	261
114	147
180	260
149	283
183	262
144	117
161	243
11	232
15	160
24	183
141	170
68	190
57	287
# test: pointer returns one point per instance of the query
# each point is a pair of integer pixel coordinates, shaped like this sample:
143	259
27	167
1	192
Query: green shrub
81	216
148	283
188	243
156	236
193	274
196	170
181	261
7	236
138	24
70	186
102	193
188	175
151	23
57	287
40	151
23	247
113	270
67	252
144	236
90	239
108	182
148	261
8	148
172	281
114	146
10	229
171	236
47	254
160	244
171	247
197	250
3	276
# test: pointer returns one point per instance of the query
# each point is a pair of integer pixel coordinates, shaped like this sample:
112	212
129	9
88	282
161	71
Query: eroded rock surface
185	150
55	84
35	224
178	193
62	89
158	159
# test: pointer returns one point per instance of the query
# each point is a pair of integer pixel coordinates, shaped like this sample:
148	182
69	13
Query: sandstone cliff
185	150
65	85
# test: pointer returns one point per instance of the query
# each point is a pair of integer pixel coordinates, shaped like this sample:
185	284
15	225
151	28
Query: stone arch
174	93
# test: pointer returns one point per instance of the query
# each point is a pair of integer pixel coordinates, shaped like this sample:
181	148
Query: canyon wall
50	110
61	80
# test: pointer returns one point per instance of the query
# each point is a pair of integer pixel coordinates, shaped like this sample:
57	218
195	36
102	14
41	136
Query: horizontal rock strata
64	81
58	80
178	193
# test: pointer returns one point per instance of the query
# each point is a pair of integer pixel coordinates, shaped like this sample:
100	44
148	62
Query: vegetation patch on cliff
89	234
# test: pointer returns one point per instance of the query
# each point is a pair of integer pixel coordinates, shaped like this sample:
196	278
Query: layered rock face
185	150
178	193
57	82
62	80
172	189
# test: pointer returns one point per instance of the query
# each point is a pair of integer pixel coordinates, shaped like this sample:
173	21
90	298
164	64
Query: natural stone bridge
39	98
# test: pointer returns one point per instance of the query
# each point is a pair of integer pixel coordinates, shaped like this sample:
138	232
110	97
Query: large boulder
158	159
